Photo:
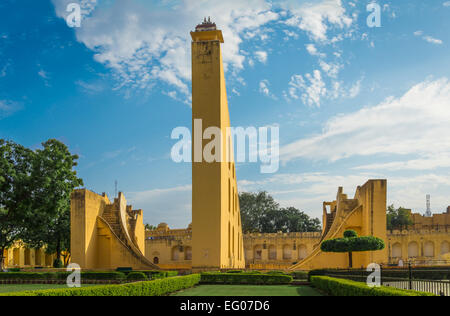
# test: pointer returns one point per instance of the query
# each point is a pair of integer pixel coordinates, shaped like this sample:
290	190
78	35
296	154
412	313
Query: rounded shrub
350	234
275	272
136	276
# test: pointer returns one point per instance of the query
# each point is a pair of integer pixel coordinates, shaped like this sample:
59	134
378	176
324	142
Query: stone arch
413	250
257	252
428	249
396	250
16	256
287	252
272	252
248	253
156	256
27	257
38	257
445	247
175	253
48	260
302	252
187	253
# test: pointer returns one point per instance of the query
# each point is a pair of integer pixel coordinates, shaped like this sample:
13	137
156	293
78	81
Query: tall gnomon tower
217	240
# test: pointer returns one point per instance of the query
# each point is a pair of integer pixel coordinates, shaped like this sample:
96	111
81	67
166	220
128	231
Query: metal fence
434	280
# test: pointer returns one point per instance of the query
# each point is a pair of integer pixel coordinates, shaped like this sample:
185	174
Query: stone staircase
329	223
111	215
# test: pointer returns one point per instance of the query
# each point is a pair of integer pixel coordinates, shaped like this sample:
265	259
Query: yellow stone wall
20	256
217	240
170	248
106	235
365	213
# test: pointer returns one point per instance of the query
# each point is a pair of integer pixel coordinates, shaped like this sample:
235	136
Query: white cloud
433	40
429	162
331	69
261	56
8	108
265	90
312	89
307	191
91	87
446	4
312	50
413	124
263	87
428	38
136	40
316	17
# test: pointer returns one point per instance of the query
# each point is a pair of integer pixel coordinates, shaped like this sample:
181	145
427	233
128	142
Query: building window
175	253
272	252
445	248
397	251
413	250
156	260
188	253
287	252
429	249
302	252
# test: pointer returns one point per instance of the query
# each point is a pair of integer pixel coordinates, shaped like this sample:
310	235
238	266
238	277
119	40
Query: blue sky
352	102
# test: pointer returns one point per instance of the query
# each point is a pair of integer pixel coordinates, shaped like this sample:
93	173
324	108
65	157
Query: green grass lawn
249	290
8	288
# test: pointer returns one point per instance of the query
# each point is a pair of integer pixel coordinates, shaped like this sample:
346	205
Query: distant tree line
398	219
261	214
35	189
150	227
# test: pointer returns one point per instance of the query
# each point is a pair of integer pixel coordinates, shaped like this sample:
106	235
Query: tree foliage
150	227
398	219
261	214
15	192
54	180
352	243
35	195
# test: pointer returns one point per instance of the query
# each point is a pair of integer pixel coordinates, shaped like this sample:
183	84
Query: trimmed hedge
244	278
137	276
157	274
427	273
276	273
341	287
112	276
149	288
300	275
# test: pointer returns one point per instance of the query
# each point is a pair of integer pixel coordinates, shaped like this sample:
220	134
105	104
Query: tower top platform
207	31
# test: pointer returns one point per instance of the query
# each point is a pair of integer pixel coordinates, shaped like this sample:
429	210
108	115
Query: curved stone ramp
129	253
335	231
116	218
366	214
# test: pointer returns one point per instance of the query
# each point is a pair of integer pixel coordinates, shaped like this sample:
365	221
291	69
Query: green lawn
8	288
249	290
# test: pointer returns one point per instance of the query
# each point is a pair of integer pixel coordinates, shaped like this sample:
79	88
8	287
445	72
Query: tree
150	227
53	180
15	193
398	219
352	243
261	214
253	208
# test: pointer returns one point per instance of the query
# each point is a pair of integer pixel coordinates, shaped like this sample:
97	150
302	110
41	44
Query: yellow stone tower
217	241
